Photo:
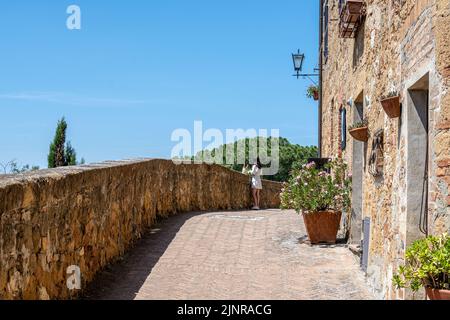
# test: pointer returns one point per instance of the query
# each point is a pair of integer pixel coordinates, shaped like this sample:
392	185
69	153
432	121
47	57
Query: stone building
392	54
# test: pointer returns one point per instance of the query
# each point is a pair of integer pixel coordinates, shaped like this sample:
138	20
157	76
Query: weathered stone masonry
402	46
88	216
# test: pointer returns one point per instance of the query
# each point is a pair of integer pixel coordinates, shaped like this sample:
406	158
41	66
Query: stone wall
402	43
90	215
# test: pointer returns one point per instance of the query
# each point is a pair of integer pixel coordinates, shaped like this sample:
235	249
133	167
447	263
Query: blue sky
138	70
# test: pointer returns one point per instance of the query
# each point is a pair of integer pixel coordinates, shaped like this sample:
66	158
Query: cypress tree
61	154
71	155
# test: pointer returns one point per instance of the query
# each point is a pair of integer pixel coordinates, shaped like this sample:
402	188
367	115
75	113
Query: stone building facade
401	175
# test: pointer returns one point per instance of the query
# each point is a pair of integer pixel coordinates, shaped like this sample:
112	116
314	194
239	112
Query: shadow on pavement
122	280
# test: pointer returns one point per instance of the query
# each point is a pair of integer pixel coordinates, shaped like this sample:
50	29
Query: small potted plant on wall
313	92
320	196
360	130
428	266
391	105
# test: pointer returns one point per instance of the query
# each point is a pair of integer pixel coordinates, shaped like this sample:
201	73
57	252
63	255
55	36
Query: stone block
443	163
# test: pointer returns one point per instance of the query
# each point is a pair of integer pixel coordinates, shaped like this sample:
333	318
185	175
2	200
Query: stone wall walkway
232	255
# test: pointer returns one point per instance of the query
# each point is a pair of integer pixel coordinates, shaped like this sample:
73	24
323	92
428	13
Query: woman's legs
255	197
258	197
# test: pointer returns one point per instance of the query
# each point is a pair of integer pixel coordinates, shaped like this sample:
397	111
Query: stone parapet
88	216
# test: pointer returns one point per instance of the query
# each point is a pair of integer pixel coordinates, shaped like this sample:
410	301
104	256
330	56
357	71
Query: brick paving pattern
244	255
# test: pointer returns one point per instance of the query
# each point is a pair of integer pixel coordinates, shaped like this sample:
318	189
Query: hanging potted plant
428	266
320	196
313	92
391	105
360	130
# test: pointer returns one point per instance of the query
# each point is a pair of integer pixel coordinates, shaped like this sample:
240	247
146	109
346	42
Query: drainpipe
320	75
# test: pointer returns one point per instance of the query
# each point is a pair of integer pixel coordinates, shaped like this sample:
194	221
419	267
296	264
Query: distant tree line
13	168
291	156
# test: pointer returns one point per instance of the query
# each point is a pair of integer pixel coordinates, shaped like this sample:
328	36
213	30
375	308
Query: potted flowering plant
320	196
360	130
427	265
313	92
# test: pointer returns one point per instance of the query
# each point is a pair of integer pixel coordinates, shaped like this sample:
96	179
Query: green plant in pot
313	92
320	195
360	130
427	266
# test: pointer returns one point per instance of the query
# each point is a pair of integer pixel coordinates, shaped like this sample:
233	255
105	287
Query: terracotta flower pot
392	106
360	134
322	226
316	95
435	294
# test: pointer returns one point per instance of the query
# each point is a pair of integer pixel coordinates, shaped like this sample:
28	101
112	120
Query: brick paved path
232	255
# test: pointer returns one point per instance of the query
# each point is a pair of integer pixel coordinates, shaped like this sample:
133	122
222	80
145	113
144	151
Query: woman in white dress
256	183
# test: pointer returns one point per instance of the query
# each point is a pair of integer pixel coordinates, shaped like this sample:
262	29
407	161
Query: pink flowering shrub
310	190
